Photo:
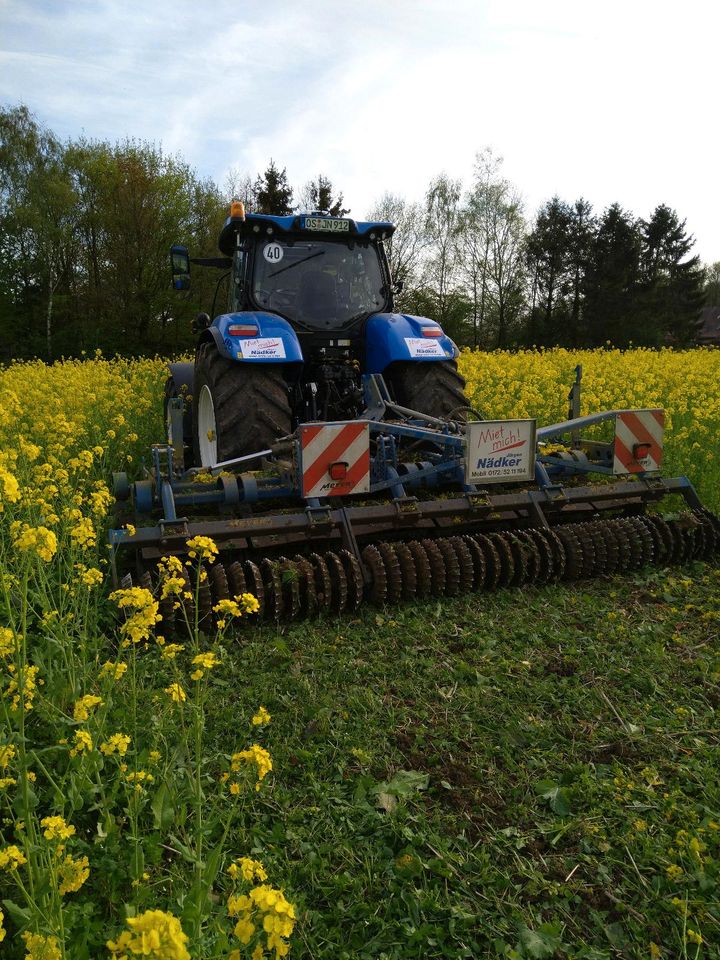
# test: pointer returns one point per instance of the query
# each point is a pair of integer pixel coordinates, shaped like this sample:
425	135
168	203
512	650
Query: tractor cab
319	273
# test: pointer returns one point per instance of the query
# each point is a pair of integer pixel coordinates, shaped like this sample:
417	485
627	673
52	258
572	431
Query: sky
612	101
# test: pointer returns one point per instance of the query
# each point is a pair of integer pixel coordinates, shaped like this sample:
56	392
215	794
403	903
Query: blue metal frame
444	464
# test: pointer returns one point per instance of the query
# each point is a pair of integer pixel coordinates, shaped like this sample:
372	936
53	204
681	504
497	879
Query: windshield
318	283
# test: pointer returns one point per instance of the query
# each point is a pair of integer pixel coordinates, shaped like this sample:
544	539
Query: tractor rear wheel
238	408
433	388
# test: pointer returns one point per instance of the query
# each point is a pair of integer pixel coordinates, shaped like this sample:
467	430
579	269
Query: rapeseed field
128	829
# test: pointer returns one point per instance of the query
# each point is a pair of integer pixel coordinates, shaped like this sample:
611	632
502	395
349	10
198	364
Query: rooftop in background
710	327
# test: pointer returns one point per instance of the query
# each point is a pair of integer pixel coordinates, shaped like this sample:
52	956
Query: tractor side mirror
398	286
201	322
180	266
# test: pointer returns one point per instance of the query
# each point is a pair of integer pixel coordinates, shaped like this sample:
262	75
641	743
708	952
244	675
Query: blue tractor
310	310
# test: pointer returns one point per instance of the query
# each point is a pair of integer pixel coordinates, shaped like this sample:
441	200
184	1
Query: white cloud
611	100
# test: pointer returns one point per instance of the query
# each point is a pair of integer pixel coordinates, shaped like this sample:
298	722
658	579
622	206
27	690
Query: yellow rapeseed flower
153	934
55	828
83	743
11	858
202	548
83	706
247	869
176	693
117	743
141	611
73	874
256	755
36	540
114	670
7	642
40	947
261	718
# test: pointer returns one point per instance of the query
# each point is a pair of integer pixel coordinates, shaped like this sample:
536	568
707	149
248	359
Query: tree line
86	227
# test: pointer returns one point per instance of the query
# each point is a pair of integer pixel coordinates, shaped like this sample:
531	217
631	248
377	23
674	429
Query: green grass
559	738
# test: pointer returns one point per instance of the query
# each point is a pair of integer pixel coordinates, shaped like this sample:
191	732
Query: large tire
250	402
433	388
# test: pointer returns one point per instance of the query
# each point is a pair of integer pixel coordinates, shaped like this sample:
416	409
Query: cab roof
294	223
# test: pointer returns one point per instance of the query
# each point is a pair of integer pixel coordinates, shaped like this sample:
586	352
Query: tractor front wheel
238	408
432	388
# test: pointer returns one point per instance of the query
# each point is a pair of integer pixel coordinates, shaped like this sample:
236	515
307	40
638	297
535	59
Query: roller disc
290	583
392	571
274	603
507	562
532	556
610	542
715	521
372	559
558	552
622	538
255	586
492	560
644	539
678	542
438	574
711	536
584	534
237	583
408	572
323	589
308	596
338	581
168	626
519	551
187	604
668	540
354	576
696	535
204	597
478	562
465	563
452	567
219	586
574	557
545	560
600	545
659	547
422	568
684	544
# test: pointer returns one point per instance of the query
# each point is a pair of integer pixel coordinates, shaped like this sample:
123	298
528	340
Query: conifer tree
273	193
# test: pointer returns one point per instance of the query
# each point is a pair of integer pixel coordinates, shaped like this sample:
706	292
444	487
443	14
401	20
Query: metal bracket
180	522
554	493
318	515
407	508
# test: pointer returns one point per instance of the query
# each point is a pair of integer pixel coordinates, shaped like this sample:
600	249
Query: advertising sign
500	451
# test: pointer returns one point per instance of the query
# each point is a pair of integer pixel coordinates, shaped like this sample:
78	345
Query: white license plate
324	223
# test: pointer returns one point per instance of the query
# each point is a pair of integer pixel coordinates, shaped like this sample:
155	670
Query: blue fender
399	336
255	337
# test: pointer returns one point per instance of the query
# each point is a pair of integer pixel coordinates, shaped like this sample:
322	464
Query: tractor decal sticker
262	348
335	459
638	441
422	347
500	450
273	252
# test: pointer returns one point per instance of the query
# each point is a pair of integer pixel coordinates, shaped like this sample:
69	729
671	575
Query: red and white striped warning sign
335	458
638	441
